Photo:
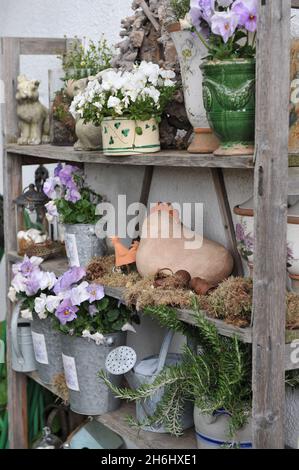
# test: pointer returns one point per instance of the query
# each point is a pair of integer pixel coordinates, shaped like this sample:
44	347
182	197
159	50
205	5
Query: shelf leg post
16	382
270	195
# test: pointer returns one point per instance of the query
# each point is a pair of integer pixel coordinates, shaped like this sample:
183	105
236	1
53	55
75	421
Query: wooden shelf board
116	421
168	158
59	266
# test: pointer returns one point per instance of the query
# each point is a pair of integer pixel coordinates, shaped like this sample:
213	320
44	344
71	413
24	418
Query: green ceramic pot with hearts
128	137
229	100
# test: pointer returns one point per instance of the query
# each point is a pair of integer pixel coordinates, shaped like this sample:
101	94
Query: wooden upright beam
17	382
10	69
270	193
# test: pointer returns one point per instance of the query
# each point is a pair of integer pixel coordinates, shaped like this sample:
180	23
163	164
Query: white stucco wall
90	18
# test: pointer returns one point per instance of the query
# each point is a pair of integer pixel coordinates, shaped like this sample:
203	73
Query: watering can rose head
70	199
227	28
84	310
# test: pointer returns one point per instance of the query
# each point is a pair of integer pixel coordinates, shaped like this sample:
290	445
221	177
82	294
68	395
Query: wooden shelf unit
270	194
116	421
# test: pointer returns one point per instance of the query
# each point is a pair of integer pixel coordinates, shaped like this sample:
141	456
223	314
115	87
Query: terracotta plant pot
229	100
190	53
127	137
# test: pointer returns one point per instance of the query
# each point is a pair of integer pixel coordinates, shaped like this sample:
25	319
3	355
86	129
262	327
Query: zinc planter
229	100
128	137
82	360
82	244
47	349
212	431
22	353
190	54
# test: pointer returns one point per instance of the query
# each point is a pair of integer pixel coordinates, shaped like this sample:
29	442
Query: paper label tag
71	249
70	372
40	348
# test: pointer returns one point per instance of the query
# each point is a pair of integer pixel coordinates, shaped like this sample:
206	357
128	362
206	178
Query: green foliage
237	47
80	62
180	8
109	318
218	377
80	212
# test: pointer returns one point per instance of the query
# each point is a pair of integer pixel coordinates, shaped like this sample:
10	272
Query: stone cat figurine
33	116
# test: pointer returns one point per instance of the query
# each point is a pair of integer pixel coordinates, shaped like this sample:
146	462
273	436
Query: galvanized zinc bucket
22	353
82	360
82	244
47	349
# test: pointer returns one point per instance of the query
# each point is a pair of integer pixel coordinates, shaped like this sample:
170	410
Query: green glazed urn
229	100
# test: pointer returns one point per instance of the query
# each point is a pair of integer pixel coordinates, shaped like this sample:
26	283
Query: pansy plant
70	199
85	311
33	288
226	27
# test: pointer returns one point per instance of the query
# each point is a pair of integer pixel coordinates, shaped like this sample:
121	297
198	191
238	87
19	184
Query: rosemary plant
218	376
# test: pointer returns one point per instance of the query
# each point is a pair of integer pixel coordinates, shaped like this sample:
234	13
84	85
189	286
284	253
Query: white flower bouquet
141	94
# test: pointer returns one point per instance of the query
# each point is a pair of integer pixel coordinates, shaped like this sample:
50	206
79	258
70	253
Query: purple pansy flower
27	266
72	195
247	12
96	292
66	174
33	283
58	169
66	312
224	24
201	10
50	187
72	276
92	310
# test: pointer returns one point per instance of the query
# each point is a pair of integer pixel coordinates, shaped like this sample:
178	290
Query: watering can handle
14	333
164	351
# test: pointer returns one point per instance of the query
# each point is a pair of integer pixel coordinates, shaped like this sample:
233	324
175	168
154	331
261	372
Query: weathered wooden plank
17	399
165	158
10	69
43	46
270	193
295	3
227	220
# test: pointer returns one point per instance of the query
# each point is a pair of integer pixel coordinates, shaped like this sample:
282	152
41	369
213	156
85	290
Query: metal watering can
22	353
122	360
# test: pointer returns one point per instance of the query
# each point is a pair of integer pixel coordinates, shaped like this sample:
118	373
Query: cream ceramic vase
128	137
190	53
212	430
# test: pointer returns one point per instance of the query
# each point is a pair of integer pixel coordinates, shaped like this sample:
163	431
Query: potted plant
216	377
191	53
128	106
92	325
82	60
74	204
33	289
227	28
78	62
